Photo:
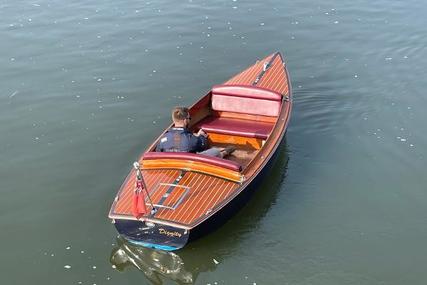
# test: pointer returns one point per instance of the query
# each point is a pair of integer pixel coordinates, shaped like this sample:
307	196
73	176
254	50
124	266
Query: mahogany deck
275	78
208	193
205	192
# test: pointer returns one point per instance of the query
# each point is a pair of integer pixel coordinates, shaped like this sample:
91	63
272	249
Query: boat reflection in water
150	261
205	254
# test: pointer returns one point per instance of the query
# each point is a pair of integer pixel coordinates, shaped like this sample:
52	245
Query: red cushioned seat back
229	164
246	99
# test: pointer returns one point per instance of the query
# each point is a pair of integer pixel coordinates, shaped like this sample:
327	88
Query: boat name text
168	233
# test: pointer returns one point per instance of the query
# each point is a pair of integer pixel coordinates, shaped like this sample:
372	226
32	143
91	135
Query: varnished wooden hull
214	194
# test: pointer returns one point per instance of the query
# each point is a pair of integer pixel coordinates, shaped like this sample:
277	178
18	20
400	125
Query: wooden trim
248	75
233	115
192	166
200	110
263	71
276	79
242	142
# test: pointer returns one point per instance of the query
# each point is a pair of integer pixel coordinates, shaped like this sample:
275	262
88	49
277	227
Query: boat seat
236	127
248	100
216	161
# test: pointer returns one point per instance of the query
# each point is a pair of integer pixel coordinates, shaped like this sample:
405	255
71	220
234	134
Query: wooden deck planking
178	192
202	209
185	182
275	77
124	195
205	193
243	77
201	188
249	75
212	199
124	204
169	215
272	75
213	188
157	194
168	177
199	191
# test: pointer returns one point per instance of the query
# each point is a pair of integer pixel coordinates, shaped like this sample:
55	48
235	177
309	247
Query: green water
86	86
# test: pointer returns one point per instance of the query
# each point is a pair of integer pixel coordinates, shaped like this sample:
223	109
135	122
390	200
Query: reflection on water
150	261
184	266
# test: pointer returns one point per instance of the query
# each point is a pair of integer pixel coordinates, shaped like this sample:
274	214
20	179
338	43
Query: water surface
87	85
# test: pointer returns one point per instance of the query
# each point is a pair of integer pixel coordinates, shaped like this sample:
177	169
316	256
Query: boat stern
152	235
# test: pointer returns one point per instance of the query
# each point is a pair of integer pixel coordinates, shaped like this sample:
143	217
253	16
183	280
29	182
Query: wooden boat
188	194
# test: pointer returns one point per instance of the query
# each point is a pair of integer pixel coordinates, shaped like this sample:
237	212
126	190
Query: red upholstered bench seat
236	127
228	164
243	99
246	99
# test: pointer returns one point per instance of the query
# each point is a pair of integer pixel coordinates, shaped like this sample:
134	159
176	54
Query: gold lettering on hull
162	231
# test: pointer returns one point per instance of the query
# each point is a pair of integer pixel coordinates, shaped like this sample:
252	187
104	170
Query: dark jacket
181	140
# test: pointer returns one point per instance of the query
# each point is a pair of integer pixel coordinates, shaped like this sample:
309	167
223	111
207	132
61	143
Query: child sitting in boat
180	139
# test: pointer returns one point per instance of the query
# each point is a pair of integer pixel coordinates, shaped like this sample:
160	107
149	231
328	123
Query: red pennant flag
138	206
